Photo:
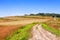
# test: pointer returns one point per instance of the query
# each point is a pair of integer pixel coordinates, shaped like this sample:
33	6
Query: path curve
40	34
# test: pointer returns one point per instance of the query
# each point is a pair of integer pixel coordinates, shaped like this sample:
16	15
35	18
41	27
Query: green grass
1	18
21	34
52	30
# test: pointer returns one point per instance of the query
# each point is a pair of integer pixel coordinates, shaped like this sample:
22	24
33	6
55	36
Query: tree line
46	14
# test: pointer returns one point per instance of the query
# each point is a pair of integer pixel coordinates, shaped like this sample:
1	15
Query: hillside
10	25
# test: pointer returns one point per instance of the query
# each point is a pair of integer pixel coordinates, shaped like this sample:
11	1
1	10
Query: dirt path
40	34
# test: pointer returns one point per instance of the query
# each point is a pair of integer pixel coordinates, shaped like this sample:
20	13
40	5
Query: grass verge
52	30
21	34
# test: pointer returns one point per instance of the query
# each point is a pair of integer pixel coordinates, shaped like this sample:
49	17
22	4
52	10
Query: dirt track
40	34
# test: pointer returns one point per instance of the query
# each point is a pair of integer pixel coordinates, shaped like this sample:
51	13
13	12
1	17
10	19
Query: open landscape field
29	19
22	27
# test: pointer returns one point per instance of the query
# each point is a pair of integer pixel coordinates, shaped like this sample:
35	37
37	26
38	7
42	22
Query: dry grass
10	24
54	23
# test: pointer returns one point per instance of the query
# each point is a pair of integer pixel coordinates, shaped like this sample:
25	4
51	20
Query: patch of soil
6	30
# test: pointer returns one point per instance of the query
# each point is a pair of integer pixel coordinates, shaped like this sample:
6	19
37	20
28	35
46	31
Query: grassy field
20	18
22	34
52	30
53	26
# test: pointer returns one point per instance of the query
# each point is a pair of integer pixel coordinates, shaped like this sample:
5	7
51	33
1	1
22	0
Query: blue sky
21	7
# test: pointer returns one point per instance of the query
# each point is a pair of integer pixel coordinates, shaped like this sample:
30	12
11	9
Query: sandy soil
40	34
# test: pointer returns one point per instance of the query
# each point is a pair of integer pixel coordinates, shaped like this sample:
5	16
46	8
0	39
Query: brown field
54	23
6	30
10	24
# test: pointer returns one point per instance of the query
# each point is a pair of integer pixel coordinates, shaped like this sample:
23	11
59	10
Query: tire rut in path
38	33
